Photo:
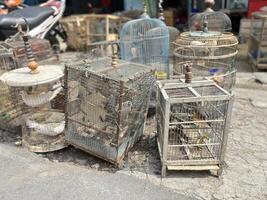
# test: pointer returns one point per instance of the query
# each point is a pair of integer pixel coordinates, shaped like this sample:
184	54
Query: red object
105	3
255	5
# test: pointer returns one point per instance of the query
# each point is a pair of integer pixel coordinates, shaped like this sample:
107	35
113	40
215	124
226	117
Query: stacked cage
192	125
211	54
107	106
10	103
146	41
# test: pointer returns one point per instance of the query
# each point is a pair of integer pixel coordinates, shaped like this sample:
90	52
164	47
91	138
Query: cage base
193	168
118	163
216	168
36	143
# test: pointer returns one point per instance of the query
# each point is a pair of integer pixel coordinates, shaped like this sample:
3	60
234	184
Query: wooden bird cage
85	29
41	48
212	56
257	51
192	125
107	106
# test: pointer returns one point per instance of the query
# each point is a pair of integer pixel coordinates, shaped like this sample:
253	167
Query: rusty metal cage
192	125
41	48
106	106
10	102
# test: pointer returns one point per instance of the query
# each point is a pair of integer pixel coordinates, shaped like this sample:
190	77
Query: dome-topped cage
210	53
146	41
218	21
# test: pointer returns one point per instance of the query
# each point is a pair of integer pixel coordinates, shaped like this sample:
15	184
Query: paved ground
72	174
26	176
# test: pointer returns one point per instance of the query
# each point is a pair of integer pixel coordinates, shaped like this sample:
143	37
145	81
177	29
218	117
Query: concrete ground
73	174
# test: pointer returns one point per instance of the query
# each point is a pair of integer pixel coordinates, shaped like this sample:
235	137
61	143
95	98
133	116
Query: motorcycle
40	21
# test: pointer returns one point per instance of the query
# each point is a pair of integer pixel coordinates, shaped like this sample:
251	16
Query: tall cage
10	103
218	21
192	125
211	54
146	41
257	49
107	102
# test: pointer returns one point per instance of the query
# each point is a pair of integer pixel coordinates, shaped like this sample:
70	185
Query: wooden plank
194	168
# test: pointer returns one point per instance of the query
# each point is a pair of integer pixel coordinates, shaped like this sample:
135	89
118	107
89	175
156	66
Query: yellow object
33	65
160	75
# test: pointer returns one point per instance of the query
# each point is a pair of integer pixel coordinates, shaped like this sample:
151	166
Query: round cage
218	21
223	74
146	41
209	53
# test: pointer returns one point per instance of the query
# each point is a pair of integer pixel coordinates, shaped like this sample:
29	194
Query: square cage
88	28
10	103
192	125
107	106
41	48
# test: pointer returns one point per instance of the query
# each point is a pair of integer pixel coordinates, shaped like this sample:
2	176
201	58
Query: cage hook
18	25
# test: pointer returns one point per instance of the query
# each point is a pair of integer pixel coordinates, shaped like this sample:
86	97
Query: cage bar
107	106
192	125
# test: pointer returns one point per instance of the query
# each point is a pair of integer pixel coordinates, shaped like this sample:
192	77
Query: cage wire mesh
146	41
106	106
218	21
42	126
192	125
211	54
10	102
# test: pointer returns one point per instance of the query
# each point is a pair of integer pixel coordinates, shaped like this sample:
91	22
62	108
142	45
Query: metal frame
119	128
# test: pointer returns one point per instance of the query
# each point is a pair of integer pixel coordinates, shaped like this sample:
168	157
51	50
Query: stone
95	166
261	77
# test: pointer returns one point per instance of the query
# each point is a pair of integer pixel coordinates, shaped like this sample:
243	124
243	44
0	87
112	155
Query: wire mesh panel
107	106
192	125
146	41
10	103
210	53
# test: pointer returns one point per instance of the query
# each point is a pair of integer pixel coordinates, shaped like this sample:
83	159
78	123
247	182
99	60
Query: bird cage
146	41
192	125
41	48
173	33
10	108
218	21
107	106
258	41
85	29
211	54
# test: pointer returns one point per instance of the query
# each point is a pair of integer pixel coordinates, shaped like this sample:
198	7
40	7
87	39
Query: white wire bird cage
107	103
211	54
37	86
146	41
192	125
218	21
